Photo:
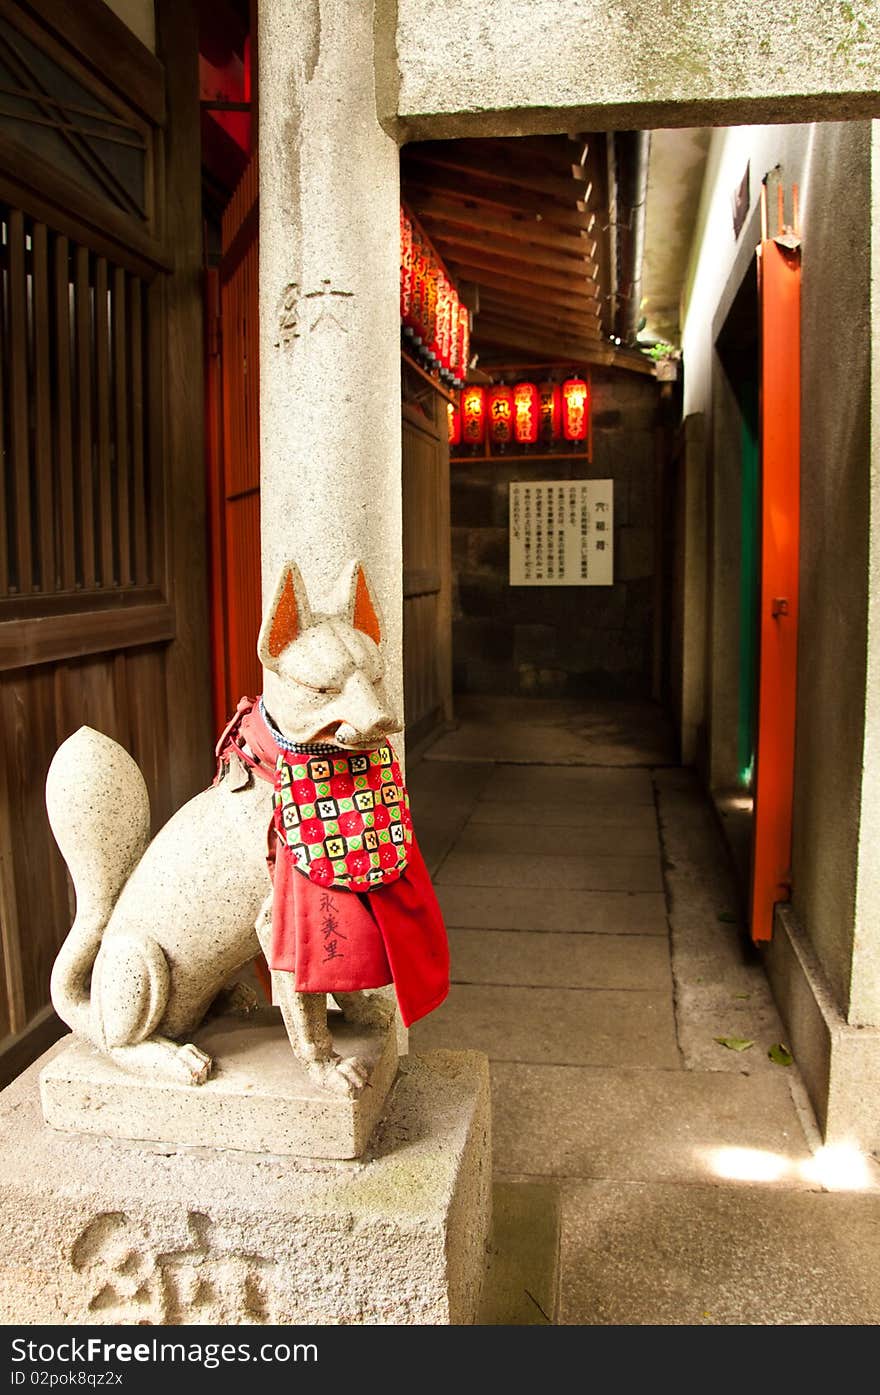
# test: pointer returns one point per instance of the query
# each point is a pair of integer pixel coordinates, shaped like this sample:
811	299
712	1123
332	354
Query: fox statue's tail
99	812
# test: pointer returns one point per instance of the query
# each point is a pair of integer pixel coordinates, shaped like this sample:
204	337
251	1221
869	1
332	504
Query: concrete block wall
560	641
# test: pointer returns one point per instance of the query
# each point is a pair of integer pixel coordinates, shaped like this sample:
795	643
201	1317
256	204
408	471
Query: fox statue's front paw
193	1065
340	1075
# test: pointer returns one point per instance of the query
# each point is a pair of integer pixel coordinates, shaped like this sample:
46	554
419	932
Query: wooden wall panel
102	560
244	675
234	454
148	718
27	711
5	1028
84	696
187	672
121	695
426	561
421	676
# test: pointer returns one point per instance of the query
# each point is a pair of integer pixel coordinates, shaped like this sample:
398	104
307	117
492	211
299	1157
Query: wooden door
779	282
427	567
234	451
101	565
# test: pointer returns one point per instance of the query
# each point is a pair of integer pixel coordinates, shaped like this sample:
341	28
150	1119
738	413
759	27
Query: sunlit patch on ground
836	1167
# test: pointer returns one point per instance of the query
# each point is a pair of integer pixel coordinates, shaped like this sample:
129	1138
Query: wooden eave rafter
501	172
526	221
453	236
519	227
479	265
555	349
504	344
526	287
560	154
544	317
421	177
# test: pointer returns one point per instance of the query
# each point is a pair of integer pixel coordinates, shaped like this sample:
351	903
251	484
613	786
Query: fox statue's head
323	672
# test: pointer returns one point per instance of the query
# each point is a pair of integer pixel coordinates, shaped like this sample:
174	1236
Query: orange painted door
779	282
233	421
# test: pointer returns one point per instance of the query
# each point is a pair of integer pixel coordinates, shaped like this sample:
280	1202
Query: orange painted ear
364	616
287	616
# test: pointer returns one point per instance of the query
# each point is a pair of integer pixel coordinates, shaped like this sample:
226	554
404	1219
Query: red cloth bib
334	939
344	816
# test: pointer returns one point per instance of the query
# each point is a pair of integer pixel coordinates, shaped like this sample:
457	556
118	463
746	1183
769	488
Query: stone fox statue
302	847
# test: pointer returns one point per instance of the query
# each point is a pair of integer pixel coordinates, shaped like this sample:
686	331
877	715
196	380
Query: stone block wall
560	641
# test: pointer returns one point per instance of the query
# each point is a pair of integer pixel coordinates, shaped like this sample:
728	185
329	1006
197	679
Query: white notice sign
562	533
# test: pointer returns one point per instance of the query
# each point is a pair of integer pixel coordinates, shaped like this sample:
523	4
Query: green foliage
734	1043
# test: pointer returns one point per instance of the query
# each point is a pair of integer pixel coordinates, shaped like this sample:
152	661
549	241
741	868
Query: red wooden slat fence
233	415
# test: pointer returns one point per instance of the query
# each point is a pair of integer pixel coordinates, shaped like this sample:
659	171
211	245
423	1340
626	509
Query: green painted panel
748	582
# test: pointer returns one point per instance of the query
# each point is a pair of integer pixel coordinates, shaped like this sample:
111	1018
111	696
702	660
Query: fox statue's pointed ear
287	615
357	602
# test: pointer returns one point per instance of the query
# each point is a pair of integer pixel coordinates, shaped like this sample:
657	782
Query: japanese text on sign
562	533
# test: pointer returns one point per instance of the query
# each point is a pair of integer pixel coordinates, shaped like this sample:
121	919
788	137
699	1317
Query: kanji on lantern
550	412
526	413
406	266
575	409
463	351
501	414
473	415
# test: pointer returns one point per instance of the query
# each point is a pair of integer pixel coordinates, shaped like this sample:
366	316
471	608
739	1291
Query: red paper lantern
406	259
453	419
463	351
526	408
501	415
429	307
419	264
575	409
550	411
473	415
444	322
454	307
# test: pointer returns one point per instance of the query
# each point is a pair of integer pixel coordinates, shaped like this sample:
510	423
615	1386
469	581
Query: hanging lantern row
527	413
436	326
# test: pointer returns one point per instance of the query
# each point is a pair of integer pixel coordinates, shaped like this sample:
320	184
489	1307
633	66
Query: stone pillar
329	309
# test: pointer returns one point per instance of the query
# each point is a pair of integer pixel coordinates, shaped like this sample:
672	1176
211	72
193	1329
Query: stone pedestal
259	1098
97	1230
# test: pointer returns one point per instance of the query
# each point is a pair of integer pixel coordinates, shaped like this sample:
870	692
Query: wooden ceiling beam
585	327
554	153
549	316
518	276
526	291
521	229
446	235
597	163
499	171
419	176
551	344
578	352
536	337
526	300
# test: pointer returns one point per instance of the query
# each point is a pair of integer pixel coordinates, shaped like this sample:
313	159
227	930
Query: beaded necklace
310	748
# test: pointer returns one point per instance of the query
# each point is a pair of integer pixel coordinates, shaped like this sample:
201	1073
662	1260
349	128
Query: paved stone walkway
645	1174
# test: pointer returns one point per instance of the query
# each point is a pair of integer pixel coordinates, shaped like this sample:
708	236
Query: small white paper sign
562	533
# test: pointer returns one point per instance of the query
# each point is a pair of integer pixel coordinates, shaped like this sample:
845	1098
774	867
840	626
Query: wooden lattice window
77	489
54	109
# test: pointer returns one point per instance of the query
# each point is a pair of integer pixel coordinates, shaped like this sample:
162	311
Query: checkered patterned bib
344	816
